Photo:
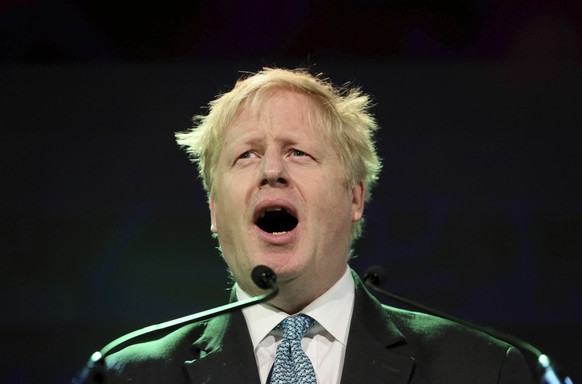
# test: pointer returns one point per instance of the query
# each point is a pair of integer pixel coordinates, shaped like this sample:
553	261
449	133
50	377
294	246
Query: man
288	162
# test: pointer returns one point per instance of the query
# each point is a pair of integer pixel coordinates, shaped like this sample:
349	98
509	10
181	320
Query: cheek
333	204
228	206
218	206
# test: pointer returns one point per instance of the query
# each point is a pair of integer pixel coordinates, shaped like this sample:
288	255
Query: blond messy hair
343	114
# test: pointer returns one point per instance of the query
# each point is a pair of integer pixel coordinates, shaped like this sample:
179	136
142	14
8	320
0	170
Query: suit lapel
230	362
376	350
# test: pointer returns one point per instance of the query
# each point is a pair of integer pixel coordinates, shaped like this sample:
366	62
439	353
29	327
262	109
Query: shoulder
432	329
442	351
158	345
421	330
437	342
158	352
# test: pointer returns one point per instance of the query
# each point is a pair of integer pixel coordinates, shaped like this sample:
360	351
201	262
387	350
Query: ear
213	228
358	197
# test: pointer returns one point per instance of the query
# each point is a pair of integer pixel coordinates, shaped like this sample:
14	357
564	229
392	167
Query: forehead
278	109
278	100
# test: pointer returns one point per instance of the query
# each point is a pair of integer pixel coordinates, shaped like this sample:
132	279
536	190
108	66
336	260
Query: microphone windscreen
376	274
263	277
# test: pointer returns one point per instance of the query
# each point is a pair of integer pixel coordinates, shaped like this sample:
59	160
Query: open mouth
276	220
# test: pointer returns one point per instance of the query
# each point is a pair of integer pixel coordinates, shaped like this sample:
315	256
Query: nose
274	171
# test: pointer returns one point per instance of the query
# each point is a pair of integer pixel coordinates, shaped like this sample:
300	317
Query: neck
295	295
291	302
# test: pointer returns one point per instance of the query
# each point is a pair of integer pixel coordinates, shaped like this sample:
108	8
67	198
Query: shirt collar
332	310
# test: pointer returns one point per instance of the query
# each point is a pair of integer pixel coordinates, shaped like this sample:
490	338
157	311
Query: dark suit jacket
385	345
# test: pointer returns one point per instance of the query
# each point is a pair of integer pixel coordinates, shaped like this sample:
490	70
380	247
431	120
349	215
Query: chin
287	273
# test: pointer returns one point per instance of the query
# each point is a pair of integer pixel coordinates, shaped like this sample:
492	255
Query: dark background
104	226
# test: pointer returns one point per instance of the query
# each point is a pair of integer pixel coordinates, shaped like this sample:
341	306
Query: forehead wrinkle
270	124
242	122
306	128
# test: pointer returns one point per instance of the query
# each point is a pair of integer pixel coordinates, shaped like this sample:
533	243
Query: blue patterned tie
292	366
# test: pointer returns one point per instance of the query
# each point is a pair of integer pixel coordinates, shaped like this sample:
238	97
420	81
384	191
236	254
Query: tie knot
295	327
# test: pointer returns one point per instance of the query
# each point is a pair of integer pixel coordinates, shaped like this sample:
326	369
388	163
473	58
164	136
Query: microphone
94	370
264	277
375	275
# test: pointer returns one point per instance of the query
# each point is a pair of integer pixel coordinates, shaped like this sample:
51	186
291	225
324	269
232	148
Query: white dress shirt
325	343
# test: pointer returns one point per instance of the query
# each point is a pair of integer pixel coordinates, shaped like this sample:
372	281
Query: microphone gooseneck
94	370
375	275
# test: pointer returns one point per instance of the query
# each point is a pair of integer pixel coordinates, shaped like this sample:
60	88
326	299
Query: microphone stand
373	278
94	370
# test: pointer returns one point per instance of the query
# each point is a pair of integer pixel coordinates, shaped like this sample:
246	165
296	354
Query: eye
247	155
298	153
